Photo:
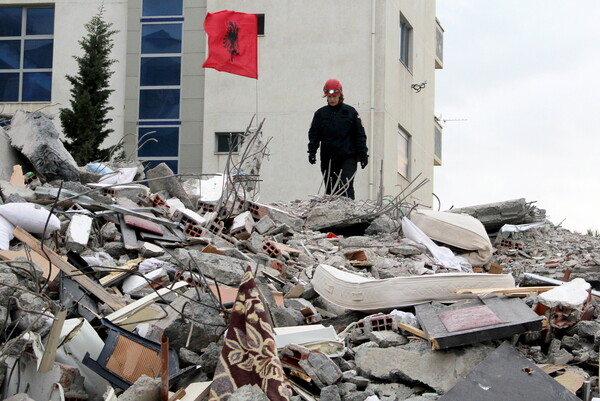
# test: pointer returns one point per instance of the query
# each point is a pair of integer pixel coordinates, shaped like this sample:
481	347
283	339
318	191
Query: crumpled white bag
30	217
441	255
6	233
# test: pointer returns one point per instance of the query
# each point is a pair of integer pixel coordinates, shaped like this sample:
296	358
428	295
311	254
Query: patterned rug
249	354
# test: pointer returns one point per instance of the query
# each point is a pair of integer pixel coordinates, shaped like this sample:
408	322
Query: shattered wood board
49	270
69	270
514	315
139	223
128	235
506	375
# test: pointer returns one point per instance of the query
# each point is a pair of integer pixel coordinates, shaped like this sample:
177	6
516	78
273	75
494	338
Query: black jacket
339	132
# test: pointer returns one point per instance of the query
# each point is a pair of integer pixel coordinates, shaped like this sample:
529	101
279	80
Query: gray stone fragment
35	135
357	396
210	358
390	391
387	339
223	269
37	321
264	225
351	376
586	328
382	224
321	369
248	393
144	389
346	388
115	249
110	232
188	358
440	369
283	317
208	324
557	355
405	250
330	393
169	183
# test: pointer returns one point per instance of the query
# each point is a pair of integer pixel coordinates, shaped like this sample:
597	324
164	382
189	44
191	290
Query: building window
406	34
164	71
159	104
158	142
161	38
159	8
26	49
404	152
227	142
260	20
437	144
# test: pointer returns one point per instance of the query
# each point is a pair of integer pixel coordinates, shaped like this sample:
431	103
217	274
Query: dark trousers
338	176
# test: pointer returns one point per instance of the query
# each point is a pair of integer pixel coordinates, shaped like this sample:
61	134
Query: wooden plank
196	391
52	343
87	283
571	380
518	290
122	271
128	234
123	313
49	271
177	395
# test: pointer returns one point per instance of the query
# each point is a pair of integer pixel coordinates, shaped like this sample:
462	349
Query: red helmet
332	87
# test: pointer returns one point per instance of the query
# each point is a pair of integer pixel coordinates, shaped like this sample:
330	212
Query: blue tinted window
150	164
10	21
38	53
160	71
158	141
9	87
10	54
159	104
37	86
161	38
155	8
40	21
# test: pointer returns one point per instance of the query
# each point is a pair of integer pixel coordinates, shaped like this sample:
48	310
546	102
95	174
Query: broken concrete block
248	393
330	393
207	327
135	284
224	269
35	135
264	225
321	369
144	388
440	370
162	178
78	232
242	226
149	250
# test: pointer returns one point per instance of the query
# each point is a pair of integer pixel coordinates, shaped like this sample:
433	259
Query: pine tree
85	123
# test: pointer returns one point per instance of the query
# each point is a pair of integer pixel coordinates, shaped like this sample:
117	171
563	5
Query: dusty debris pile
128	285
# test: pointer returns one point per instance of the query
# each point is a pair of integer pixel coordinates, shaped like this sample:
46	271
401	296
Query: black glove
312	158
364	160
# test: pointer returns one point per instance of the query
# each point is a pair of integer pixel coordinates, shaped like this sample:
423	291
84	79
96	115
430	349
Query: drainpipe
372	111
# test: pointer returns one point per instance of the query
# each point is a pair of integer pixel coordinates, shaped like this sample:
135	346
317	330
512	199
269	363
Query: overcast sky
525	75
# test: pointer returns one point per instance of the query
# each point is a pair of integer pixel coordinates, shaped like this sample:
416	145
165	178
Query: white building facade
169	109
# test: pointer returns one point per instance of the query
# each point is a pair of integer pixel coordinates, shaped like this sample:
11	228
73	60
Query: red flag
232	43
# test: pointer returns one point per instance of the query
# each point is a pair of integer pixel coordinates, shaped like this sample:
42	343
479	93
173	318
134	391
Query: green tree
85	123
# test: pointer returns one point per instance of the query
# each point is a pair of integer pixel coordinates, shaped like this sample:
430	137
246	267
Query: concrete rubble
125	291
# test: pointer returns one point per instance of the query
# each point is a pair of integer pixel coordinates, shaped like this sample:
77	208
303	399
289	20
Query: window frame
405	45
24	73
236	134
404	158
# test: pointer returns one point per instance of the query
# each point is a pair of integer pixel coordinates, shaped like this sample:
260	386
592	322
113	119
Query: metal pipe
586	391
164	354
553	281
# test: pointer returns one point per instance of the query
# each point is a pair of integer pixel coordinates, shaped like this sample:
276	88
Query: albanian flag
232	43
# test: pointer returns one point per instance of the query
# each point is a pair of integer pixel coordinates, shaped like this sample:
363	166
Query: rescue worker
339	131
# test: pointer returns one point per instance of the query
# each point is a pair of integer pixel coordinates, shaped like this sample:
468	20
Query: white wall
70	17
305	43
